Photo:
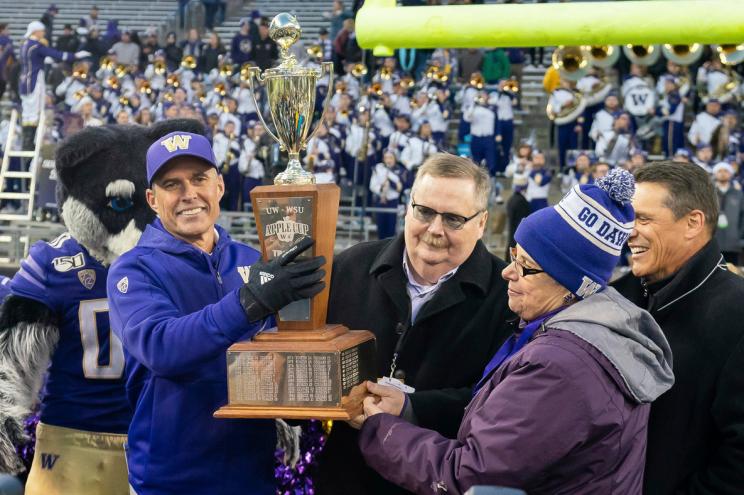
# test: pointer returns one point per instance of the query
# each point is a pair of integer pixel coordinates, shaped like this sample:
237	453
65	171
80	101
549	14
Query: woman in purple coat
563	406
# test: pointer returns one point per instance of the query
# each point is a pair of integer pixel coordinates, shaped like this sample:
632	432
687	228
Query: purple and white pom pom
619	185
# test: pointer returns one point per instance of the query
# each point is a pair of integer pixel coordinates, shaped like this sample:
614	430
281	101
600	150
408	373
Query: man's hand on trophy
353	404
391	400
274	284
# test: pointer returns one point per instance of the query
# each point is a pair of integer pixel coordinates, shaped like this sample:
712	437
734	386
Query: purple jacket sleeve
156	333
530	420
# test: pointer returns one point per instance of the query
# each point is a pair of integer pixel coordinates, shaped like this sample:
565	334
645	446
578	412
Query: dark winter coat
696	430
567	414
443	355
732	206
517	208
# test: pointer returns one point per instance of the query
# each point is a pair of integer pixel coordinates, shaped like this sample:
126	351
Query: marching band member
418	148
155	72
249	165
381	120
482	120
386	185
74	85
580	173
503	101
711	78
521	162
229	113
704	157
614	146
226	145
386	74
343	110
431	112
538	186
568	132
604	118
357	137
676	72
701	130
247	110
672	111
401	101
466	98
399	138
727	139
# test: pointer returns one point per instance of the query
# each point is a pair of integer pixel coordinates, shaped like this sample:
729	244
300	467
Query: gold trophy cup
307	368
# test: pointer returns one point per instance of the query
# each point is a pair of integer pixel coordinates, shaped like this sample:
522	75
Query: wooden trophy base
306	374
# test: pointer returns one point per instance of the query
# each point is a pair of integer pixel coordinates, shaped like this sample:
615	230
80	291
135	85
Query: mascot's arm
29	332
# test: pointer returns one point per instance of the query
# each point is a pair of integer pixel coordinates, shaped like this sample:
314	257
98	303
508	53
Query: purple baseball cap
177	144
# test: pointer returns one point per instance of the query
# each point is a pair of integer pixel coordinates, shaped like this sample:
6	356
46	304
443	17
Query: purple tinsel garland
299	480
26	450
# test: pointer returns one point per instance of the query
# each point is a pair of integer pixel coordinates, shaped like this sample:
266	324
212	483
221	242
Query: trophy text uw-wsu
307	368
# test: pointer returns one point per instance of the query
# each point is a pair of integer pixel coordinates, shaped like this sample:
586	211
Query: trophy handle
256	71
326	67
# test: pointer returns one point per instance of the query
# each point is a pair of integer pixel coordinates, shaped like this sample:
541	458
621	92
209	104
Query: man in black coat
434	297
696	430
517	208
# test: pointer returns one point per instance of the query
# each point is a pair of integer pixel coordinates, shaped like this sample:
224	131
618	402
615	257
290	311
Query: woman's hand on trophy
274	284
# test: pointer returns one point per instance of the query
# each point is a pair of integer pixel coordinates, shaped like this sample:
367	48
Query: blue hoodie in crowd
176	310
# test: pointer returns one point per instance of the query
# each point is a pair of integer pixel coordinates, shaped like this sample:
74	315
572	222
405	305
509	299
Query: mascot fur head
102	182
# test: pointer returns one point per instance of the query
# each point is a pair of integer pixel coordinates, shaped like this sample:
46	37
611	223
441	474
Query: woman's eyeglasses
522	270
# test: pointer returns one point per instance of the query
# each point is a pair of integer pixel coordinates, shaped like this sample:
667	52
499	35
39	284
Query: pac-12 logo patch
87	277
67	263
123	285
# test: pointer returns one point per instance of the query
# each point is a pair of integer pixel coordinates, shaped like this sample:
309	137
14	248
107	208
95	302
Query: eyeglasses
452	221
522	270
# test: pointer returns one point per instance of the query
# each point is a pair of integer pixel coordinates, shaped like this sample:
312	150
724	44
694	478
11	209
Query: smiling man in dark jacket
696	430
436	302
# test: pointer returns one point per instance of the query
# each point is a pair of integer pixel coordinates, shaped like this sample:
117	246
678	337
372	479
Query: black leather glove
276	283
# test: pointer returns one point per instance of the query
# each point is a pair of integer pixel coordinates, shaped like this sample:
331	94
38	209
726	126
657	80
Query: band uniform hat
723	166
34	26
578	241
177	144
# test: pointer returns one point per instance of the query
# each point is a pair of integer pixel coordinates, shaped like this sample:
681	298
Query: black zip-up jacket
696	430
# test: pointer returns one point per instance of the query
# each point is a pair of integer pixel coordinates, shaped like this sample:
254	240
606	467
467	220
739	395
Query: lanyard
402	330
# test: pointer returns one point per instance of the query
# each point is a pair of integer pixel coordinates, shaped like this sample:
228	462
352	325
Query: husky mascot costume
54	326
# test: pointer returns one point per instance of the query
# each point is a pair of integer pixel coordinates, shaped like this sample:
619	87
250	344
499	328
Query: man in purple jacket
563	405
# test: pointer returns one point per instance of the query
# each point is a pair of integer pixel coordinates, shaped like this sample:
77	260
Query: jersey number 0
92	369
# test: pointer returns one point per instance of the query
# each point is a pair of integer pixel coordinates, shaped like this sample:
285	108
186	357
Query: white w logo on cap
176	142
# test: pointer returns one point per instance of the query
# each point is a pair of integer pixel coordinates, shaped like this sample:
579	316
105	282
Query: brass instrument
683	54
730	54
477	81
80	71
407	82
112	82
245	71
481	99
226	69
340	87
80	94
642	54
386	73
188	62
511	86
431	71
121	70
572	62
159	67
168	96
375	89
172	80
202	96
603	56
315	52
441	76
221	106
106	63
220	88
145	88
728	91
359	70
124	100
567	113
